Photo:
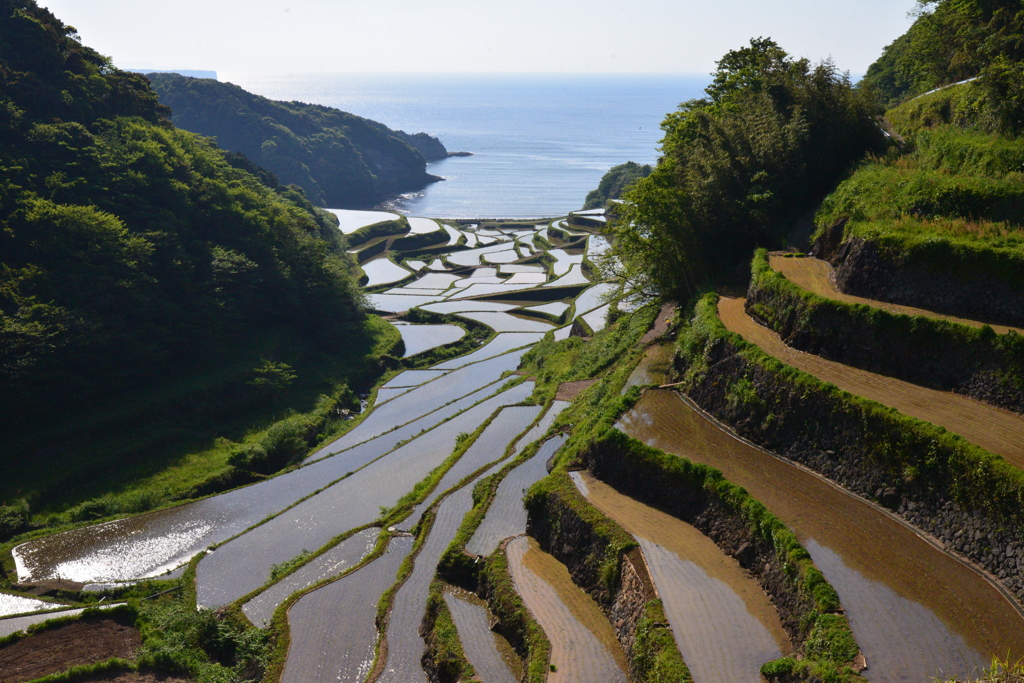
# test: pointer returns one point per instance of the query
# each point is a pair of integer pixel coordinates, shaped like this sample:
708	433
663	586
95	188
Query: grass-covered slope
152	295
339	159
937	222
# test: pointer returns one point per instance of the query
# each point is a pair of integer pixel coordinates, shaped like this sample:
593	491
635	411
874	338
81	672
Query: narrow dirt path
997	431
815	276
916	612
583	647
724	624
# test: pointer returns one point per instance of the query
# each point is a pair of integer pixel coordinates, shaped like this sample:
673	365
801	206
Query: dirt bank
72	644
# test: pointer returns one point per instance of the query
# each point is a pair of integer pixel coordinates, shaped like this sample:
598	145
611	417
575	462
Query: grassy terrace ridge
925	462
969	475
949	355
951	199
655	655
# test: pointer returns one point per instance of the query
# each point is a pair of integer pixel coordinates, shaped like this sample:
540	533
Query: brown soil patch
567	391
137	677
583	644
815	276
997	431
76	643
48	586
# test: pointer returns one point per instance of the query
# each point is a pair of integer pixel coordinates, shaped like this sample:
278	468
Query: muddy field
583	646
815	275
73	644
914	610
724	624
997	431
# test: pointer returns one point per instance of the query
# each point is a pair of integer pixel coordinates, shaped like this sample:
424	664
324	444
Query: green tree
738	166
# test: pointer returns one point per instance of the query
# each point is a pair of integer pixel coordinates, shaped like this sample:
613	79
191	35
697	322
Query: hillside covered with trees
150	291
341	160
739	166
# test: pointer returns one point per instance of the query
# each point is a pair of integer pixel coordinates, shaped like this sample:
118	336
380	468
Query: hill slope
339	159
134	260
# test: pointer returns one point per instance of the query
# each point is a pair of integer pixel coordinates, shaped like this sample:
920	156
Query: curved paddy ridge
972	621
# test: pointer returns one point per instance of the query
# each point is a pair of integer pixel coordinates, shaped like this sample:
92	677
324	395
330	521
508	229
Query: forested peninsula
341	160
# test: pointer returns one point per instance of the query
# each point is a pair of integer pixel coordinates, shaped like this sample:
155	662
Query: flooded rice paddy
597	319
350	221
333	634
420	338
405	645
724	624
422	225
16	604
412	378
958	620
507	517
503	322
653	368
338	559
381	271
489	447
491	655
583	646
244	564
592	298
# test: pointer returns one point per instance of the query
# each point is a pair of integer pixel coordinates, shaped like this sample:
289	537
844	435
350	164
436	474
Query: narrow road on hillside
997	431
815	276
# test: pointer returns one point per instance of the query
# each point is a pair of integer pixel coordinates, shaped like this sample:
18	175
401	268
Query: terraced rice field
724	624
422	225
583	645
243	564
335	561
915	611
382	271
491	656
404	645
16	604
997	431
420	338
333	632
506	516
350	220
815	275
489	448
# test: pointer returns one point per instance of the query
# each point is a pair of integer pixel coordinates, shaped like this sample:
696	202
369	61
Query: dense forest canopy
131	250
341	160
954	40
737	167
614	182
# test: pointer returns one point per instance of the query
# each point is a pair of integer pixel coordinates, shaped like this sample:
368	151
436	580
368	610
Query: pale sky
600	36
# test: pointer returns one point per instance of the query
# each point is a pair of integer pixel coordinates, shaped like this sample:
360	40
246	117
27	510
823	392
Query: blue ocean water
540	143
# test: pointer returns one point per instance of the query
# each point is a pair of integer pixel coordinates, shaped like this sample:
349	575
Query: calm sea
540	143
